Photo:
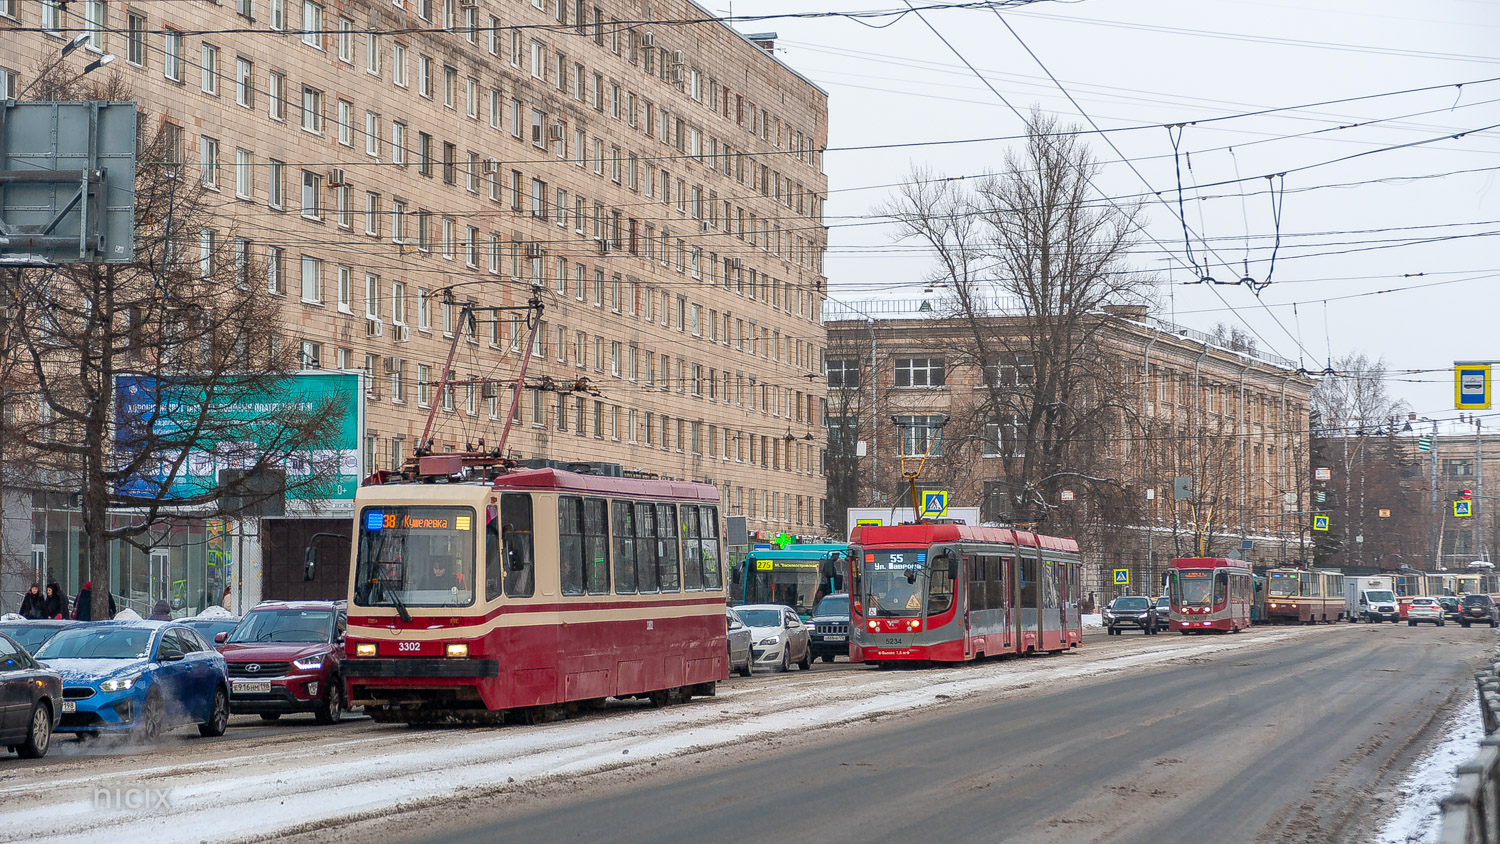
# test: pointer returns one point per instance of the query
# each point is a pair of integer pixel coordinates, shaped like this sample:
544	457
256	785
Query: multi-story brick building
654	177
1233	422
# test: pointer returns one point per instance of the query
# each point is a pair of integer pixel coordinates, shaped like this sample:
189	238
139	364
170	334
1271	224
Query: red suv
284	657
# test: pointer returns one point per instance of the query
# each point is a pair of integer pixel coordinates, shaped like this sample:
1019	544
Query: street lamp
78	41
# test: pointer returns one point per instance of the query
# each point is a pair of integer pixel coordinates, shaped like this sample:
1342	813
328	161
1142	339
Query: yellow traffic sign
1122	577
1463	509
867	522
1320	523
935	502
1471	386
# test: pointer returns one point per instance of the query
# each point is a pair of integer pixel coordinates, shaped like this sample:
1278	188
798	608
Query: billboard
903	516
146	407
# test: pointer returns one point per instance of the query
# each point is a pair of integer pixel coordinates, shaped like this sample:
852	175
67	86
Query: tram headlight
457	649
364	649
914	624
873	625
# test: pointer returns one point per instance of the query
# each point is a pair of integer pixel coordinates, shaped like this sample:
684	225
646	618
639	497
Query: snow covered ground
1093	619
229	791
1417	820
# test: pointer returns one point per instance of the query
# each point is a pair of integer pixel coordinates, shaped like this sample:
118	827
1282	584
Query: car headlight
770	640
1109	615
309	663
119	684
1142	615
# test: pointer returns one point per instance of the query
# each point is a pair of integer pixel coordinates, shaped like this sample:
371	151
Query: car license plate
252	687
833	638
70	706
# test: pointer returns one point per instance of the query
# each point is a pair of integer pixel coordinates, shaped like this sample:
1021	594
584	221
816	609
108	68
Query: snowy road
361	781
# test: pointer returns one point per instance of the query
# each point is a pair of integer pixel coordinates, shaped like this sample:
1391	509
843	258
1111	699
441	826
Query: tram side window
692	569
667	551
645	548
624	548
596	545
999	587
709	546
570	543
1028	581
940	585
1049	583
1221	586
978	581
1315	586
518	541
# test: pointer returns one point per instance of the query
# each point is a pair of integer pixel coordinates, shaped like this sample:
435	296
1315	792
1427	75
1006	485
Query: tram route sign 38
1122	577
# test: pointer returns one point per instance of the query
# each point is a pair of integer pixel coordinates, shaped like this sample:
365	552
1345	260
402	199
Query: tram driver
444	576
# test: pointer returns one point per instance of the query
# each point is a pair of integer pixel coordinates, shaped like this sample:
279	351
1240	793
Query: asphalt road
1298	740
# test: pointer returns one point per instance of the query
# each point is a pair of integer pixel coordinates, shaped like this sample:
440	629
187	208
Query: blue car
138	677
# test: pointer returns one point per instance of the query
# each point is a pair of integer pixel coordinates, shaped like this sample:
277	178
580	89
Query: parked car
1164	612
740	655
1131	611
1479	609
33	633
31	699
138	677
285	657
828	629
210	628
779	637
1424	610
1452	607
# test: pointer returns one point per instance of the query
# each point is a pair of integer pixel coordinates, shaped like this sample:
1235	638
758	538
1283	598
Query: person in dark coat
83	605
162	611
34	605
56	604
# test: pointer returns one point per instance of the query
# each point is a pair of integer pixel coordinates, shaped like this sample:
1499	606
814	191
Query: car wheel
331	711
270	716
748	666
218	716
151	717
1464	624
39	734
805	664
786	657
1410	623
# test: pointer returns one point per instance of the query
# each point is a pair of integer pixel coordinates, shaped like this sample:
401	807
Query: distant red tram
950	593
539	589
1210	593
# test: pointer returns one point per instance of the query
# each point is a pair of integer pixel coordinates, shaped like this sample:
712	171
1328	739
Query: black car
1479	609
829	627
1133	611
1452	607
30	701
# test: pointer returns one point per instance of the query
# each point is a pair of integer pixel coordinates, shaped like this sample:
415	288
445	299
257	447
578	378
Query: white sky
1153	62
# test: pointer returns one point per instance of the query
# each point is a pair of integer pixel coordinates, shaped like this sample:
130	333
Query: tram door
965	593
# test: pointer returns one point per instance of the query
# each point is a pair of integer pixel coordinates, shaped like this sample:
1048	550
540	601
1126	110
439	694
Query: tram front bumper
356	668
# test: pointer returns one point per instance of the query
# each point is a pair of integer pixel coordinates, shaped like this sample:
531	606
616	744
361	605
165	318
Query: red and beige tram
536	589
1304	596
950	593
1209	593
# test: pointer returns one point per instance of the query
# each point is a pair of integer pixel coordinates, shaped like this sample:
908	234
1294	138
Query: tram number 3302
408	646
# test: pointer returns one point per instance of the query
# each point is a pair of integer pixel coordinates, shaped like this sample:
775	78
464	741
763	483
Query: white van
1371	599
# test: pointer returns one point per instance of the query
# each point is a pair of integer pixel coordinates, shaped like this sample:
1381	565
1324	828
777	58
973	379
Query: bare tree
189	335
1028	260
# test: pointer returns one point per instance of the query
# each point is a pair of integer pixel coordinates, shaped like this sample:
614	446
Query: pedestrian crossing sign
934	502
1463	509
1320	523
1122	577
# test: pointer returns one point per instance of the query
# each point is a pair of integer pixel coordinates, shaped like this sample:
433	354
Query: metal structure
67	183
1471	814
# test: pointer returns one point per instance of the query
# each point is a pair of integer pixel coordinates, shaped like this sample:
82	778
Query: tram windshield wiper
396	601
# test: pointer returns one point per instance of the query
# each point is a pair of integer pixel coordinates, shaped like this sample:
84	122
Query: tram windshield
415	556
1194	588
902	582
793	583
1284	584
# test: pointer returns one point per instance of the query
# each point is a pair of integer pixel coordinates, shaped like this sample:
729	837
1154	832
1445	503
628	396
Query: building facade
649	176
1232	423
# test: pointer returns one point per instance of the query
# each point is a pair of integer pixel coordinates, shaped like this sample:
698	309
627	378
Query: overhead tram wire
1083	175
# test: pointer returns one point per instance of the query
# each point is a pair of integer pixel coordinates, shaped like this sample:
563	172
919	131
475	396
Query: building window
210	70
171	52
312	110
919	434
312	25
208	158
843	372
919	372
1002	437
276	93
244	173
312	195
275	184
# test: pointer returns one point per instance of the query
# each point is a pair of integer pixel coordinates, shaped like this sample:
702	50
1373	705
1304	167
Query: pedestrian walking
34	605
83	605
57	603
227	601
162	611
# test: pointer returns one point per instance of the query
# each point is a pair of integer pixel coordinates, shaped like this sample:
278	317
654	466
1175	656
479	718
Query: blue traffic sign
934	502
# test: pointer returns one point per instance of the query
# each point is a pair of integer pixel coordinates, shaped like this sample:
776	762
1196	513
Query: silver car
740	654
778	636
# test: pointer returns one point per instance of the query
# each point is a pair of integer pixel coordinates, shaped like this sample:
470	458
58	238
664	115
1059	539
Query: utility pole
1479	484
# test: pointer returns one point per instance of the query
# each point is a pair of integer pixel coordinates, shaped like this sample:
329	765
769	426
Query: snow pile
216	611
1417	821
11	617
127	614
1093	619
